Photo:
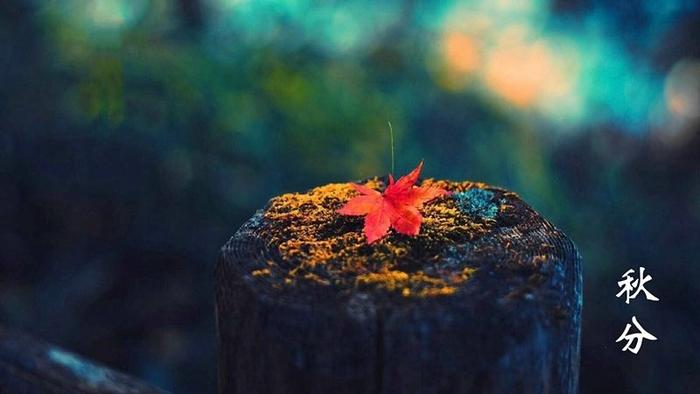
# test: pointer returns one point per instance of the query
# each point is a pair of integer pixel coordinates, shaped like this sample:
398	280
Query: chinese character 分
637	338
632	286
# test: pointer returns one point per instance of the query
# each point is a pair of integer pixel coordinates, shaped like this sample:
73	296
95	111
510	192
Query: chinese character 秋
631	286
636	337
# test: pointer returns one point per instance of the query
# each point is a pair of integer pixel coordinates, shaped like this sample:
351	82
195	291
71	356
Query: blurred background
136	136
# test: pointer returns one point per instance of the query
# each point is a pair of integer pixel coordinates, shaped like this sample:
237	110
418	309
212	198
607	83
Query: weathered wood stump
31	366
487	298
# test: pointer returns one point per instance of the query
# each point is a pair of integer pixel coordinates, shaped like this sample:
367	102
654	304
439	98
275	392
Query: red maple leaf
397	207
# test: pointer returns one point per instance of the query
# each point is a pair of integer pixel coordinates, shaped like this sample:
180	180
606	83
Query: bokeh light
682	89
571	72
460	52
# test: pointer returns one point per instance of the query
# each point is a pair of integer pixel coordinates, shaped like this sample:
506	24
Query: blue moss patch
477	202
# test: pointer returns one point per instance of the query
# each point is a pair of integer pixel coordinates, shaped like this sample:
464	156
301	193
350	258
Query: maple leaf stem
391	136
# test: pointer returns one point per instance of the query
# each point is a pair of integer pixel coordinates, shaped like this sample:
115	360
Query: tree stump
487	298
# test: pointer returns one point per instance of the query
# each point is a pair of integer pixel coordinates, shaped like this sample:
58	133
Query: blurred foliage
138	135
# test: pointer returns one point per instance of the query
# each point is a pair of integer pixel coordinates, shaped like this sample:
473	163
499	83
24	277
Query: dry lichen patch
319	246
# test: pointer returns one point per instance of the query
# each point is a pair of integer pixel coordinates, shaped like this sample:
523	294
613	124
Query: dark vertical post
513	327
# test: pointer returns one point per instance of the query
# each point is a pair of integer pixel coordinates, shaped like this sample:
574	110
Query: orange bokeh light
523	74
460	53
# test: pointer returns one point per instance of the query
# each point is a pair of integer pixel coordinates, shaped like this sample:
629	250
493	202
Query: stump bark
512	326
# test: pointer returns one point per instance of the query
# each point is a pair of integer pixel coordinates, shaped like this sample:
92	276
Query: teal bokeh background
136	136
